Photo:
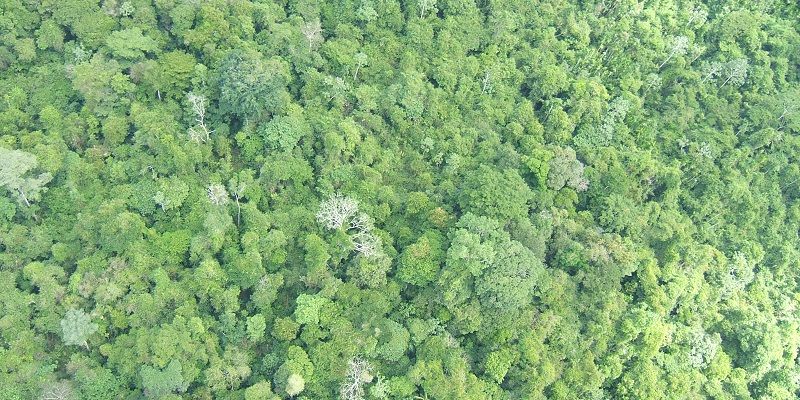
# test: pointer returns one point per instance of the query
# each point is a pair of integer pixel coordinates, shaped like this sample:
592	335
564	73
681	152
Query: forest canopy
399	199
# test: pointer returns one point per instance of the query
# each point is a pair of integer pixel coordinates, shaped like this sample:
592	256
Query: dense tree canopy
384	199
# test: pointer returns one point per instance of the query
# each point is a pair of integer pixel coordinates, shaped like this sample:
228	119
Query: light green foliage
260	391
603	134
229	371
508	282
102	84
256	326
76	327
500	194
115	129
316	259
537	161
502	272
393	340
498	363
370	268
266	290
96	383
419	262
308	308
50	35
285	329
25	49
171	194
285	169
172	76
284	132
131	44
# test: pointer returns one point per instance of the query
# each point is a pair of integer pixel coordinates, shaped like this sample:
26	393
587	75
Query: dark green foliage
250	85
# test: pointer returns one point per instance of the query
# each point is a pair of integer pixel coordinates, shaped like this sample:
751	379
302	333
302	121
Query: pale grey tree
295	384
486	82
76	327
680	44
61	390
199	132
361	223
81	55
425	6
705	151
698	16
126	9
237	191
162	201
16	176
566	170
711	71
652	82
736	72
380	389
336	88
312	30
704	347
359	373
217	194
696	51
336	210
367	244
738	275
339	212
789	104
361	61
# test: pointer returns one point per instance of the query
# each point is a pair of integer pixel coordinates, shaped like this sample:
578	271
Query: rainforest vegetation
399	199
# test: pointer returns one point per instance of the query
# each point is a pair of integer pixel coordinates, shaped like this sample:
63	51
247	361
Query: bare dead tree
199	132
312	30
336	210
359	372
61	390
